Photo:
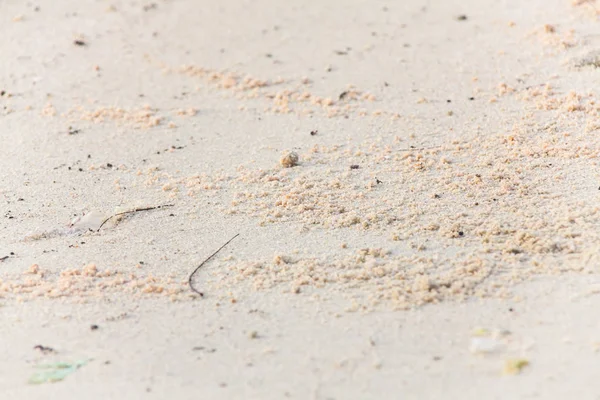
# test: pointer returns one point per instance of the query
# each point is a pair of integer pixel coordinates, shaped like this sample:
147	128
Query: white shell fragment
79	225
485	345
89	221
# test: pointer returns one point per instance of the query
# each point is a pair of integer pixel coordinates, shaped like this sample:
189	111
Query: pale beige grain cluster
86	283
144	117
285	96
496	202
591	8
555	38
48	110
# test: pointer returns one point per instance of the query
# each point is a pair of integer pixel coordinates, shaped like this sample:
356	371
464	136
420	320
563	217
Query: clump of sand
88	282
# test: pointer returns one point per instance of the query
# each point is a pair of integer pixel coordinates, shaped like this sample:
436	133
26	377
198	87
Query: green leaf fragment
55	372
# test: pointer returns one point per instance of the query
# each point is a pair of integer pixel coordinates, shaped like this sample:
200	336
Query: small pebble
289	160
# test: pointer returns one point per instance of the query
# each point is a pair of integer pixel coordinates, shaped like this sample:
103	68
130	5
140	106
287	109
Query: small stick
132	211
3	258
204	262
420	148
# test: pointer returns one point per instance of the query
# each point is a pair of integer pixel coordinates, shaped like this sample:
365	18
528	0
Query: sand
414	186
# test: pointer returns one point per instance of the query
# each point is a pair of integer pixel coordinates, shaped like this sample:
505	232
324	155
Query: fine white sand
414	184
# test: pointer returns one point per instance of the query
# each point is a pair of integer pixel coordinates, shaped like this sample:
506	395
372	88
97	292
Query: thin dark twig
3	258
420	148
204	262
133	211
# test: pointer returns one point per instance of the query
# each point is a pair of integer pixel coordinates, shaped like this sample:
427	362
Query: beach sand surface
414	184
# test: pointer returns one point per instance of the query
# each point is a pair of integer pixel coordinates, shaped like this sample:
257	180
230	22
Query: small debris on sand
515	366
44	349
289	160
591	59
55	372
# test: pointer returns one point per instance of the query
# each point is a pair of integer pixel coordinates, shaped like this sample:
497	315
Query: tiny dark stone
79	42
313	133
471	98
343	95
448	101
94	327
461	233
150	6
437	358
476	204
109	165
12	253
377	181
436	196
354	166
171	215
462	17
511	309
80	169
44	349
20	199
89	156
2	92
